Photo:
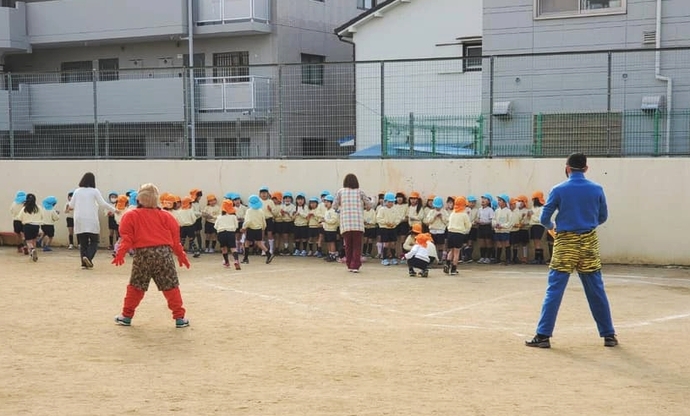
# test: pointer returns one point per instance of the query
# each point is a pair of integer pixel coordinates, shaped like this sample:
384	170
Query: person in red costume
154	235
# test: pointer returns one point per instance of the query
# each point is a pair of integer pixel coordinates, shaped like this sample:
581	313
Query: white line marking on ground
474	305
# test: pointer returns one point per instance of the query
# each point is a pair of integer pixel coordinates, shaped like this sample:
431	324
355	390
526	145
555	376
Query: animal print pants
155	263
573	251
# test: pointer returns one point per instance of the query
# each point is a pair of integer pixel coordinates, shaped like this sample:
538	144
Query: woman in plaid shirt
351	201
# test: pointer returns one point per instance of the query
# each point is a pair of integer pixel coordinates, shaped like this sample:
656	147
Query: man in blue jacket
581	206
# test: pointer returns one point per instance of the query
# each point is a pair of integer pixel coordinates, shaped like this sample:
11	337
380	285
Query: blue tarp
374	152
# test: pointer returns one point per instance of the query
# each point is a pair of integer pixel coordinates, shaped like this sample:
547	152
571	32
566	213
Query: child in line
388	219
226	227
121	207
473	212
515	230
330	225
415	210
240	211
268	207
428	207
379	244
253	229
536	229
69	218
314	222
523	231
187	219
437	220
502	223
301	225
31	217
369	230
485	234
287	215
459	226
403	228
154	235
50	217
195	195
321	212
112	225
15	209
419	257
210	213
277	198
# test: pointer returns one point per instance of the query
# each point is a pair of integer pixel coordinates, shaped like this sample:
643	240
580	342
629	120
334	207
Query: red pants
134	296
353	249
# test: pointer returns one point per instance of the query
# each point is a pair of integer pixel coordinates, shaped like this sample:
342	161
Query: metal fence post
95	111
384	133
411	135
280	111
608	104
10	114
491	107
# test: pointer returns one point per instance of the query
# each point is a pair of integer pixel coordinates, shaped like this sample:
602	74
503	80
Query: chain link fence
605	103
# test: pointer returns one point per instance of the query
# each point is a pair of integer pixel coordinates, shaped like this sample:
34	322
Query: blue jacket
581	205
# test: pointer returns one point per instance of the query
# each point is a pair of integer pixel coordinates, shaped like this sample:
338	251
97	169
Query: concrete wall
637	230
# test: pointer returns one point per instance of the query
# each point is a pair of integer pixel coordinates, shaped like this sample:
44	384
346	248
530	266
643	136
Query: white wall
637	230
416	30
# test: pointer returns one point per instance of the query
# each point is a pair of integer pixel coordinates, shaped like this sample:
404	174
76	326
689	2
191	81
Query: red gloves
183	260
119	259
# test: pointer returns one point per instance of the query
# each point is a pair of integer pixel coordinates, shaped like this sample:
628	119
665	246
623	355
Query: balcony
83	22
13	29
221	98
232	17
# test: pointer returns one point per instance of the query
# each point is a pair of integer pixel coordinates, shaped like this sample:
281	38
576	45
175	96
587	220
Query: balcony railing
212	12
234	94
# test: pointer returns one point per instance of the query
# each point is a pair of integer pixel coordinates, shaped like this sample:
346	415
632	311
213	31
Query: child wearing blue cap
69	218
268	207
50	217
253	229
485	232
287	215
240	212
31	216
437	220
330	224
301	225
314	222
388	219
472	212
15	208
503	223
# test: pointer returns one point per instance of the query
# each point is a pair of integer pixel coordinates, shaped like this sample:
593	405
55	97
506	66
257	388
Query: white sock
271	245
379	248
524	251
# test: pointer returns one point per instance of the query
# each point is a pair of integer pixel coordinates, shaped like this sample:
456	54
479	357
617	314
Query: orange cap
228	206
523	199
194	192
460	204
210	197
539	195
423	239
186	202
417	228
178	200
277	195
168	201
162	196
430	197
121	203
415	194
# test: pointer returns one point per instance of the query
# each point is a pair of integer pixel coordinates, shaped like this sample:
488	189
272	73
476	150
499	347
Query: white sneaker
211	251
70	247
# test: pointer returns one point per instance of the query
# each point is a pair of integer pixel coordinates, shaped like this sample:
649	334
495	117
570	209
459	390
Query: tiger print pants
573	251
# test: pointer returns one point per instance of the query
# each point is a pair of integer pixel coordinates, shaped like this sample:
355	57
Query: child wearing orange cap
411	239
195	195
459	227
154	236
522	239
415	210
403	227
536	229
370	228
210	213
515	230
418	257
121	206
226	225
186	217
277	199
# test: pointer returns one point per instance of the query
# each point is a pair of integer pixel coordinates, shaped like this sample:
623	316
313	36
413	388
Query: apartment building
555	90
103	78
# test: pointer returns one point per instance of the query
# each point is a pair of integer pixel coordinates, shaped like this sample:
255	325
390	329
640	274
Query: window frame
362	4
238	67
622	9
73	75
312	72
466	67
106	74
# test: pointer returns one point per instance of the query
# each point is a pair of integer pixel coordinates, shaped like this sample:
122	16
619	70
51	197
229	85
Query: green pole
657	130
540	136
433	141
479	137
384	142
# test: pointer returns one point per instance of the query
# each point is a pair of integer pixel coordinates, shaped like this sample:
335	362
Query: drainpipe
192	110
667	80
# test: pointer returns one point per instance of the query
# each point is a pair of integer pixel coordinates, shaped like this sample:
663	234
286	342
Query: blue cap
314	199
488	196
325	193
20	198
287	195
133	198
263	189
494	204
255	202
438	202
505	198
235	196
49	202
129	191
471	198
228	196
301	195
389	197
329	198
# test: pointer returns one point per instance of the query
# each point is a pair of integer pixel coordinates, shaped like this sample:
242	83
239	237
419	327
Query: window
231	147
199	64
231	66
472	52
366	4
312	71
79	71
565	8
108	69
8	3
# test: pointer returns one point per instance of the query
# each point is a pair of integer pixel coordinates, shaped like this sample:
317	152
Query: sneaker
196	254
226	264
425	273
394	262
454	271
245	261
413	273
303	253
34	255
539	341
237	266
446	269
610	341
86	262
47	248
385	262
211	250
70	247
318	255
355	270
207	250
123	320
308	254
269	257
181	323
296	252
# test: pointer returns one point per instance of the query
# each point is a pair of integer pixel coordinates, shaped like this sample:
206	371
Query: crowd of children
404	229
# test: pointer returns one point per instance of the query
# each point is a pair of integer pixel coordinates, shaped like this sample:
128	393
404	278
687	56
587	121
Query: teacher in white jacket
86	203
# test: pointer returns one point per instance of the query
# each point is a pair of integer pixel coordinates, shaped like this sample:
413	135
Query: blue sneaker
303	253
181	323
123	320
385	262
319	254
394	262
47	248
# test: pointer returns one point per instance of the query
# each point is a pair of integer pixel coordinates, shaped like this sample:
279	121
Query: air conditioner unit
653	103
503	109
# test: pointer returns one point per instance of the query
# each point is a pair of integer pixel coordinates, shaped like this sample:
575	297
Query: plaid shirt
351	203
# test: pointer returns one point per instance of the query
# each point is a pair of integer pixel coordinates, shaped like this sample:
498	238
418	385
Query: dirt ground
304	337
